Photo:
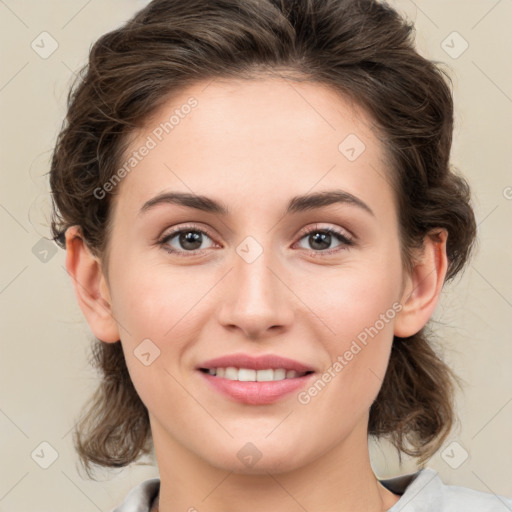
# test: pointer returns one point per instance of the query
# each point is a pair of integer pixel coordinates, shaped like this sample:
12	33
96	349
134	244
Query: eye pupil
321	238
190	237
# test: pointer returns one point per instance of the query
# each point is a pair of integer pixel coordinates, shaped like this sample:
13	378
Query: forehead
259	137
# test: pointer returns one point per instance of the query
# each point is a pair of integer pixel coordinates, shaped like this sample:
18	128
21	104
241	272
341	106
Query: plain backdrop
44	372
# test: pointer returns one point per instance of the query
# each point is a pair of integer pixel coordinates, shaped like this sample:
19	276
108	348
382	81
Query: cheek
357	314
359	297
160	312
359	353
153	301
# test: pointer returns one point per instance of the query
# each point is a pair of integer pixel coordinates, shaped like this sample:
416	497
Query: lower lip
257	393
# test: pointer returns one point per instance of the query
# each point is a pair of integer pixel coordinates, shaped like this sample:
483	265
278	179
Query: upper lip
255	363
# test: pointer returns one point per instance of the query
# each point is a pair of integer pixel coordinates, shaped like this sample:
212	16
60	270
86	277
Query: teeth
243	374
249	375
231	373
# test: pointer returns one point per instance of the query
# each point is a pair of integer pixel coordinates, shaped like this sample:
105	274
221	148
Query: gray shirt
422	491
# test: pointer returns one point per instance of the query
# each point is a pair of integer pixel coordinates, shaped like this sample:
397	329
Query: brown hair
362	48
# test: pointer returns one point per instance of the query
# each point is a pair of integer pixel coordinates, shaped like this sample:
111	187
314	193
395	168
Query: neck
340	479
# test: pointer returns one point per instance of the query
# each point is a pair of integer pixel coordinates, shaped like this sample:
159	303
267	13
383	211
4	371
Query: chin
254	459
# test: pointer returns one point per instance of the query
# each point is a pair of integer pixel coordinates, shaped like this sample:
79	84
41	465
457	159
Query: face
261	278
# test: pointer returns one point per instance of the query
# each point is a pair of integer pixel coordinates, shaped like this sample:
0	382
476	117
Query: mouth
255	387
255	380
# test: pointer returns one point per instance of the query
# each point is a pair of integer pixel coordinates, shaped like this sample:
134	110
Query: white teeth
265	375
250	375
280	374
231	373
246	375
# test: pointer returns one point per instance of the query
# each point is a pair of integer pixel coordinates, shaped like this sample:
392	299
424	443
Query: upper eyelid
191	227
318	227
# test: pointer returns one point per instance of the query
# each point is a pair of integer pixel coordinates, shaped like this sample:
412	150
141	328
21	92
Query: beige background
45	377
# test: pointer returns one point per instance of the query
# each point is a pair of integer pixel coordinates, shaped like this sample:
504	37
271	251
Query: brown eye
187	239
321	239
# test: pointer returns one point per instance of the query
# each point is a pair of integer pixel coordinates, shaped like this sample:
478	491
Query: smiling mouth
251	375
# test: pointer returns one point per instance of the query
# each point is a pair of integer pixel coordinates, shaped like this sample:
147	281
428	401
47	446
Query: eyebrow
295	205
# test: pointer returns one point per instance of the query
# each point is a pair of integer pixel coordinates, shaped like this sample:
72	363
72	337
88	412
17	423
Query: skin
253	145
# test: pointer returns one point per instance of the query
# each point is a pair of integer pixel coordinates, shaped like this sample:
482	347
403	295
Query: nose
256	298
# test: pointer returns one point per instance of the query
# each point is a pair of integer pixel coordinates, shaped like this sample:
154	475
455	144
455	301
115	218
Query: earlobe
90	285
423	286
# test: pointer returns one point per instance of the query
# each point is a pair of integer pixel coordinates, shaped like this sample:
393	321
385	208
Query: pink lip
256	363
256	393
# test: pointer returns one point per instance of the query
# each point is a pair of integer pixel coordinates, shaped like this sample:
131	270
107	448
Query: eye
188	239
320	238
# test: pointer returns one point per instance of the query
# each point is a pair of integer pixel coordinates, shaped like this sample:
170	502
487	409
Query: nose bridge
257	297
255	282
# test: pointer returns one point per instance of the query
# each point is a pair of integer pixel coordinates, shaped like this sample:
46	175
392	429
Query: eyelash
346	241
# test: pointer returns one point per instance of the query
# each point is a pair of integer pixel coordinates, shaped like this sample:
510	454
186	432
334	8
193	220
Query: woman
259	216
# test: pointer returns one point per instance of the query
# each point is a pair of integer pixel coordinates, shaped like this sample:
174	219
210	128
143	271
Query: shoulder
424	491
141	497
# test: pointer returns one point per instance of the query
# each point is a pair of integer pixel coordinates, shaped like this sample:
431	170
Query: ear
91	288
423	285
